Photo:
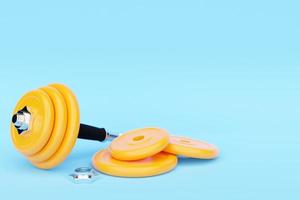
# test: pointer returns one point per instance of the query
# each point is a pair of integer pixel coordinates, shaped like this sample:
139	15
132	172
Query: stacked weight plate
53	128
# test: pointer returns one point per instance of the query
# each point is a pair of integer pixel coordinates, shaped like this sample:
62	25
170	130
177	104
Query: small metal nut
84	175
21	120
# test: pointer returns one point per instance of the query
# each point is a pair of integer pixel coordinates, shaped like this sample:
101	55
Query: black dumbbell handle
92	133
20	121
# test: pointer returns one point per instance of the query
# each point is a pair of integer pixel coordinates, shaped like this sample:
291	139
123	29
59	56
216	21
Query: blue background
223	71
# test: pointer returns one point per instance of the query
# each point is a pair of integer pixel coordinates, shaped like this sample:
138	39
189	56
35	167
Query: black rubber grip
91	133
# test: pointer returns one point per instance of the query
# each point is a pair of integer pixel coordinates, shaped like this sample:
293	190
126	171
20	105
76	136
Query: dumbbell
46	123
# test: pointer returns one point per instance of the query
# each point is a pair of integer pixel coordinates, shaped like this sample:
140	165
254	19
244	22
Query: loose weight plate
151	166
139	144
188	147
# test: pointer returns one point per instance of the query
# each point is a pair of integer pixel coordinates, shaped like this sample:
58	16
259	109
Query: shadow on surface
193	161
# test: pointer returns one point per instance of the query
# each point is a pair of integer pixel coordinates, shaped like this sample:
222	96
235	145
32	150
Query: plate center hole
184	141
138	138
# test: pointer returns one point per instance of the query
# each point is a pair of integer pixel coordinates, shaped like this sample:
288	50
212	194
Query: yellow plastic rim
139	144
191	148
39	104
59	128
151	166
72	129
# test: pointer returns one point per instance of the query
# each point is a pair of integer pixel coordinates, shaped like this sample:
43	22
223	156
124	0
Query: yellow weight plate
151	166
39	104
59	128
72	129
191	148
139	144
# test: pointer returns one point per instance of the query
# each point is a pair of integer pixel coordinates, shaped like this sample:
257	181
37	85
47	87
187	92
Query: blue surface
223	71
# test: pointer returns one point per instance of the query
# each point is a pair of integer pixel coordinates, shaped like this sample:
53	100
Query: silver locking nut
84	175
21	120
